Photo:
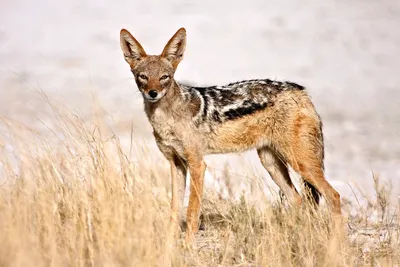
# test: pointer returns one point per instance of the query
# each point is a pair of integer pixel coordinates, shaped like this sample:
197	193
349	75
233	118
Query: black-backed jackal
276	118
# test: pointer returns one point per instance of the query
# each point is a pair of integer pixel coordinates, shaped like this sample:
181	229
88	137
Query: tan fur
286	131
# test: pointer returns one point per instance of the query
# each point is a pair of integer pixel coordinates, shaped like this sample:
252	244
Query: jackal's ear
133	51
175	47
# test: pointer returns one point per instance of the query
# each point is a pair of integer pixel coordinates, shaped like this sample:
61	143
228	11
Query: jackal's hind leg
305	155
279	173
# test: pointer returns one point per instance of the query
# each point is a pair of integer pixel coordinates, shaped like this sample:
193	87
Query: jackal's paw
190	241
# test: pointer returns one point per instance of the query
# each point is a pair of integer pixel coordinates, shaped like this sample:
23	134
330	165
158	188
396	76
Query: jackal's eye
143	77
164	77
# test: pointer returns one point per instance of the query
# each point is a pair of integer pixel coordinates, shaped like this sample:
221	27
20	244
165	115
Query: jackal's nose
153	93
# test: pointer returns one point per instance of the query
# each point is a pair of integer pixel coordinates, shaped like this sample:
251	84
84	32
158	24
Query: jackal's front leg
178	182
197	168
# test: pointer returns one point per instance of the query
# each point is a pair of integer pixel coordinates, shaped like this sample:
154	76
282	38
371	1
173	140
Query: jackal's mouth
154	98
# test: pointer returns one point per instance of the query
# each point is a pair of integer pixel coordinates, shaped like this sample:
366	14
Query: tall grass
71	196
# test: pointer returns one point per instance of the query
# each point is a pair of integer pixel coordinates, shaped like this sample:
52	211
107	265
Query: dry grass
72	197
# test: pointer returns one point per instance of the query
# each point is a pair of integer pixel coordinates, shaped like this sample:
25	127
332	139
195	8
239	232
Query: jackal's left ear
132	49
175	47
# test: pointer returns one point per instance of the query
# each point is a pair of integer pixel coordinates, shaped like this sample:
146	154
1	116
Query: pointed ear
175	47
133	51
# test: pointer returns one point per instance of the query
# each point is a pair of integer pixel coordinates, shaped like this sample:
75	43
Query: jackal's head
154	74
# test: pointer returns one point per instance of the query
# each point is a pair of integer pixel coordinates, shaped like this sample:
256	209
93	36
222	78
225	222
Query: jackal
276	118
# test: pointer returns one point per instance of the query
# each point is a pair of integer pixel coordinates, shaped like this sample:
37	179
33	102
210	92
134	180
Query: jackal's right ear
175	47
133	51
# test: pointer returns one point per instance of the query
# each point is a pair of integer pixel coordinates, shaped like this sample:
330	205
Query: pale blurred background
347	53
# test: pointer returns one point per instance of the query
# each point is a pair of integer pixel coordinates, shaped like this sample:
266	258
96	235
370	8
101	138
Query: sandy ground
346	52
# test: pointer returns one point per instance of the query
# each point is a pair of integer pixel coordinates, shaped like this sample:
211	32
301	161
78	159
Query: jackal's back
235	100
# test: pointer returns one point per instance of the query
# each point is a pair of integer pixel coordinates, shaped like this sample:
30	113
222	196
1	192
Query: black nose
153	93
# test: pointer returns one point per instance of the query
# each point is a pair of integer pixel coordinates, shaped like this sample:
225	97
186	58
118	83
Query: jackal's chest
167	133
